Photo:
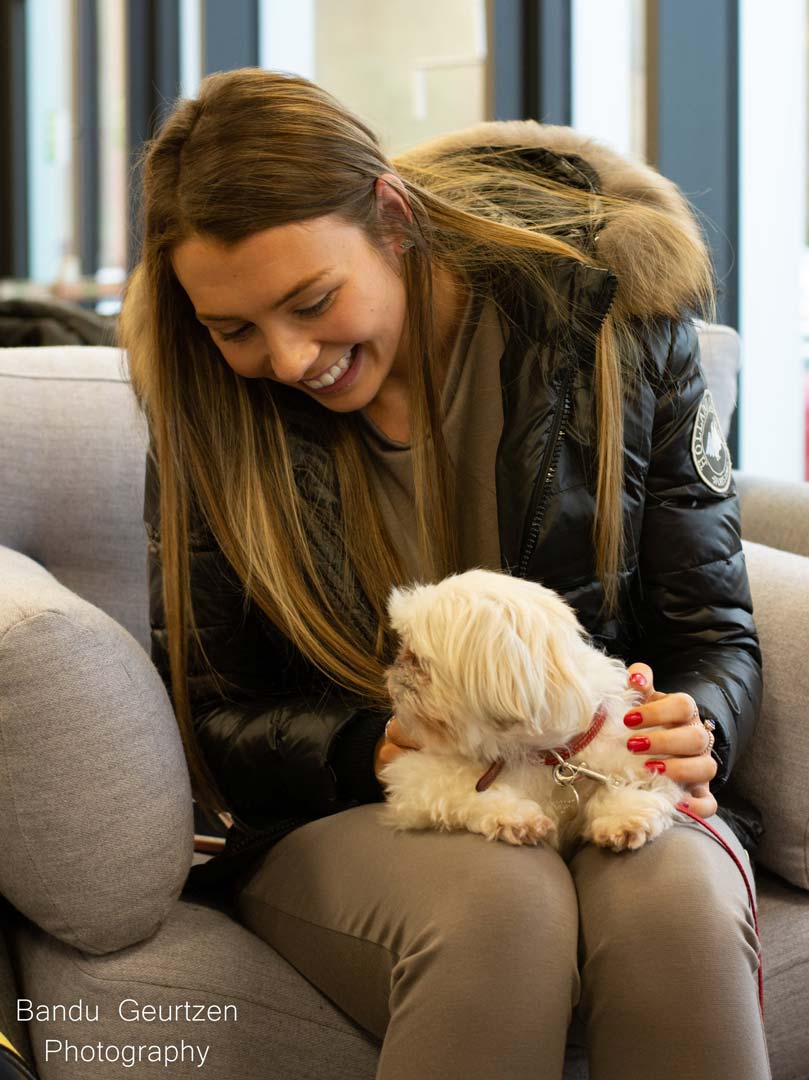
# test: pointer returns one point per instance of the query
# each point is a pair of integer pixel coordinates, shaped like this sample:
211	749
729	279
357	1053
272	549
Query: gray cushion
772	771
15	1031
72	467
774	512
284	1026
95	800
783	915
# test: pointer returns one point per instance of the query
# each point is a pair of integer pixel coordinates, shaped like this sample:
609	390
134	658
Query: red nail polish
637	679
633	719
638	742
655	766
683	804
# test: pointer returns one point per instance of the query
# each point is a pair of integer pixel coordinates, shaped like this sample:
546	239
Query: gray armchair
95	803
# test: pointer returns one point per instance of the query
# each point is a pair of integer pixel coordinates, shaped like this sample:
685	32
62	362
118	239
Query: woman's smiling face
242	294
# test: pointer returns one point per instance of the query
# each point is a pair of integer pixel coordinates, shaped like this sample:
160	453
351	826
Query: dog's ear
400	599
569	670
503	675
528	665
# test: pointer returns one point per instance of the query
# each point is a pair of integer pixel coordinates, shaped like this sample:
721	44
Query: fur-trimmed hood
628	242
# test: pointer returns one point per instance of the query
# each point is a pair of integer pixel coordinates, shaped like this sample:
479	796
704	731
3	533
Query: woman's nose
289	373
291	363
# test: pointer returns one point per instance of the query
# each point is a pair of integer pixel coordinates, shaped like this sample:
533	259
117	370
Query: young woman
359	371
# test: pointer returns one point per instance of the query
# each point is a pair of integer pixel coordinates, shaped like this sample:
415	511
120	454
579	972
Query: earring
406	245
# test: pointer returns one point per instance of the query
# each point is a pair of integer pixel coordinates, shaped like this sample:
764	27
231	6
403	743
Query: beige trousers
476	960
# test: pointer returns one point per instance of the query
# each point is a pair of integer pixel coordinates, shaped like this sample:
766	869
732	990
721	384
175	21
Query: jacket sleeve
279	738
696	614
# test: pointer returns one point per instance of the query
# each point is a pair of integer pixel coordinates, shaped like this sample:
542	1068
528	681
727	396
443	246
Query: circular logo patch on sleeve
708	447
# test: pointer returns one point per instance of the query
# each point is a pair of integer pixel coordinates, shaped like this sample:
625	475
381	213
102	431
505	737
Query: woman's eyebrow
299	288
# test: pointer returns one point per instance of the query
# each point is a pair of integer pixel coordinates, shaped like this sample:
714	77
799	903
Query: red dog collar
549	757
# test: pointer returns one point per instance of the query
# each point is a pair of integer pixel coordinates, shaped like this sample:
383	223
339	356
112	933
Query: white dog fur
496	667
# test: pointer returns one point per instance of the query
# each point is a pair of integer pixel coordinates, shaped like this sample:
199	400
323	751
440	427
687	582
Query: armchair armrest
95	798
771	773
774	512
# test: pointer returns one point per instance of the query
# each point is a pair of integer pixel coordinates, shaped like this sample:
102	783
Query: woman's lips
346	379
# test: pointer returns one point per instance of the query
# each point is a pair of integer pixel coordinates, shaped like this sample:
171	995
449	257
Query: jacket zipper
551	460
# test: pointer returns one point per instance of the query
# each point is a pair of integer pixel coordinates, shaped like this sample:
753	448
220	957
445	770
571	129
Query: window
93	92
53	239
609	72
772	254
411	71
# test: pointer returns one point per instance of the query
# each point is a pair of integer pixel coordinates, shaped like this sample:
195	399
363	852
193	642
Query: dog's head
490	664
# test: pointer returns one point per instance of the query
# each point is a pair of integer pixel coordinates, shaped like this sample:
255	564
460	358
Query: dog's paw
623	834
628	832
628	818
526	825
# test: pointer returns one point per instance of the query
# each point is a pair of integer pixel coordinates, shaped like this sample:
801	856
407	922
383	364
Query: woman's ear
392	202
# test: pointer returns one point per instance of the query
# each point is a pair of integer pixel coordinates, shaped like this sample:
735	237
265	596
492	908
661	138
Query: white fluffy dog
494	673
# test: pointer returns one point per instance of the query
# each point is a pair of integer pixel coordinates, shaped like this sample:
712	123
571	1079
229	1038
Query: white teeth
332	375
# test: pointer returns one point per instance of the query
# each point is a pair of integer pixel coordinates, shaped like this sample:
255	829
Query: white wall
772	215
607	73
190	47
287	37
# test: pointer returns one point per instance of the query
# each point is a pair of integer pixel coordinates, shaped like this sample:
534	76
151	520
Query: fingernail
638	679
683	804
633	719
655	766
638	742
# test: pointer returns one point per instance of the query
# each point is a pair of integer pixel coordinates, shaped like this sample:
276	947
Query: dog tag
565	800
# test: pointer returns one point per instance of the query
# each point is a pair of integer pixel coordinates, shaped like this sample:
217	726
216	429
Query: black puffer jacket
288	748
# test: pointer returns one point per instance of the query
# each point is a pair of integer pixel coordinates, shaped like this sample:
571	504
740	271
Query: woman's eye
237	335
309	313
318	308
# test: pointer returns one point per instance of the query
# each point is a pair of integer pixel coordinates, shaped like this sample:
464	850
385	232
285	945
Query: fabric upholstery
72	453
284	1026
772	771
774	512
95	799
13	1029
783	915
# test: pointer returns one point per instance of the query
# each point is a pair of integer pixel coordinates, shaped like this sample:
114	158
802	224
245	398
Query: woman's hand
686	742
390	745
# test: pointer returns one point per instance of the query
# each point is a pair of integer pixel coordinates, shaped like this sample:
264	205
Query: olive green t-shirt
472	427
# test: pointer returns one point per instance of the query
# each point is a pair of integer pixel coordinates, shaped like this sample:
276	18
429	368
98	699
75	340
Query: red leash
683	808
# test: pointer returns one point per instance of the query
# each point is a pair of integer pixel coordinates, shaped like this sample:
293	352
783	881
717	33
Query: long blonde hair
257	149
